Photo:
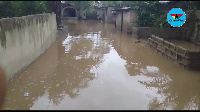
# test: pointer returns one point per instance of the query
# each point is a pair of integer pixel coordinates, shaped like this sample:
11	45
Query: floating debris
30	84
57	85
13	90
78	93
26	94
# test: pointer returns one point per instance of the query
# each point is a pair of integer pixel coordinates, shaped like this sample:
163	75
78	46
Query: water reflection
64	74
72	74
97	67
178	87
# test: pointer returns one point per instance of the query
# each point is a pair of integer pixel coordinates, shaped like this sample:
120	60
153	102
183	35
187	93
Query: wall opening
69	12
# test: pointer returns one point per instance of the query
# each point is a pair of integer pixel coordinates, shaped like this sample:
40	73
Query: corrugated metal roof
125	8
121	9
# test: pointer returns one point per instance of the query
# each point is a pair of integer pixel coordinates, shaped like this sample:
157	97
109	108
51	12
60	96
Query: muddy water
187	45
97	67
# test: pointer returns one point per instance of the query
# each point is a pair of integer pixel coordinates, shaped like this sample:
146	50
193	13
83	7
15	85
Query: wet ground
97	67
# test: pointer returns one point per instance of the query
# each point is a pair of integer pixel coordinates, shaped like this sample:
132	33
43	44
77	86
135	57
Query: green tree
111	3
22	8
82	4
88	5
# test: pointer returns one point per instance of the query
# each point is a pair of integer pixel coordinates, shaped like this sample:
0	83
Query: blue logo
176	17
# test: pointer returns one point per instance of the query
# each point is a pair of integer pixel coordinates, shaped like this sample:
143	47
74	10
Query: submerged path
97	67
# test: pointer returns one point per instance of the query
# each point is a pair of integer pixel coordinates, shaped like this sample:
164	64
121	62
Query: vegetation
150	13
22	8
88	5
82	4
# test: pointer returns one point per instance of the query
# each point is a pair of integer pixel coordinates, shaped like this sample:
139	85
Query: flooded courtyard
97	67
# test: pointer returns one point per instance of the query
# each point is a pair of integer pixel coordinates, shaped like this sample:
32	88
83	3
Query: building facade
125	19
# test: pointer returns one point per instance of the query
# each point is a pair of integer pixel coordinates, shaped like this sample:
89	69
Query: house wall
109	17
129	21
126	20
133	21
118	21
82	14
100	14
133	17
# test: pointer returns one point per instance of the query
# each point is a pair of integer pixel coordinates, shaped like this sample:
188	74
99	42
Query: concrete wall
82	14
191	28
129	21
143	32
188	58
126	20
133	17
109	17
165	33
23	39
133	21
118	21
100	14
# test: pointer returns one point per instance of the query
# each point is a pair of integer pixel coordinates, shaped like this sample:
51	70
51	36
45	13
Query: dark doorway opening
69	12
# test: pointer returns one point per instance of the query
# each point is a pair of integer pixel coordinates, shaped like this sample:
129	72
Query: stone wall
23	39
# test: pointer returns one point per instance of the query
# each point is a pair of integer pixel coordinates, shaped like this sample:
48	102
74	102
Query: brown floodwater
97	67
